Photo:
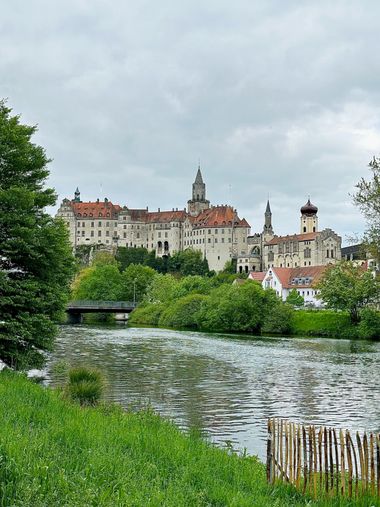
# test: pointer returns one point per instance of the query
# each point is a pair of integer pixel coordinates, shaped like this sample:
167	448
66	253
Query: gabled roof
219	216
98	209
287	275
257	275
308	236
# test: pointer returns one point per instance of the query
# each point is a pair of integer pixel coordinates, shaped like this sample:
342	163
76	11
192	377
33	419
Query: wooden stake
372	463
269	452
299	464
361	460
305	470
378	463
286	449
291	453
336	461
365	454
349	462
310	431
356	465
342	463
320	434
315	461
326	459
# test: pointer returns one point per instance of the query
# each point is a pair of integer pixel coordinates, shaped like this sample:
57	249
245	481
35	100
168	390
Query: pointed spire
268	208
198	178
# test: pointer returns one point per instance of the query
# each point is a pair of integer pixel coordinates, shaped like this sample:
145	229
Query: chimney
159	209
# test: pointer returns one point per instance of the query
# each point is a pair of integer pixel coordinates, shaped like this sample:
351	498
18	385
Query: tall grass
55	453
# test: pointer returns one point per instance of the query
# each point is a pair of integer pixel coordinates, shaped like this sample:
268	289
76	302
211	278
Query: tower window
304	229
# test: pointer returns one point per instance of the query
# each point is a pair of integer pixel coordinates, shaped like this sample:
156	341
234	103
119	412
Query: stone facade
216	231
308	248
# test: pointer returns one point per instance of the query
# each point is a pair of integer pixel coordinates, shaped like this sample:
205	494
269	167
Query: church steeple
268	229
198	202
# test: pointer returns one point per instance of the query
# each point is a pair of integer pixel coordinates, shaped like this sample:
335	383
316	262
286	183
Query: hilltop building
216	231
310	247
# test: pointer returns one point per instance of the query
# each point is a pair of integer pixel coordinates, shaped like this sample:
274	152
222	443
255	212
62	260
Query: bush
369	326
148	314
85	386
279	320
322	323
237	308
183	313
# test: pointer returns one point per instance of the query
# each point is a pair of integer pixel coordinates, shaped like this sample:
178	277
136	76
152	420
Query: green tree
135	281
367	198
349	287
36	262
98	283
188	262
182	313
162	289
237	307
295	299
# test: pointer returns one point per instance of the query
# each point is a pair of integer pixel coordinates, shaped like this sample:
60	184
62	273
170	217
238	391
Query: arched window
166	246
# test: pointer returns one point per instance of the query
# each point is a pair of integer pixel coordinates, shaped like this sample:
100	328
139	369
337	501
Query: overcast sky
278	98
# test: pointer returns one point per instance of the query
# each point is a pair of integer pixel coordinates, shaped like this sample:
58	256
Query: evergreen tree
36	262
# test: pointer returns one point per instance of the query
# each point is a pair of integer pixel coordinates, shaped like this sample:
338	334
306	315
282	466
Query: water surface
227	386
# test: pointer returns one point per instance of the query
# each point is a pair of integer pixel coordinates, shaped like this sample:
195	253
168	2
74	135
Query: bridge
75	309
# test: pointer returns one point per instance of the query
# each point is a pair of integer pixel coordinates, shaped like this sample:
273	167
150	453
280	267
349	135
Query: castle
216	231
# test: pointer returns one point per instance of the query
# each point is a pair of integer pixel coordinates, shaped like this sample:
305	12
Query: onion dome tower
309	218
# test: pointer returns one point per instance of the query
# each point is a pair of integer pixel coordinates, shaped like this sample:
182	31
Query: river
227	386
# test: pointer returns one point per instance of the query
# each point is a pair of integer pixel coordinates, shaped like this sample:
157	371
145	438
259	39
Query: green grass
322	323
54	453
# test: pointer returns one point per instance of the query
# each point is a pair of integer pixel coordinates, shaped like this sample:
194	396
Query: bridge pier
74	318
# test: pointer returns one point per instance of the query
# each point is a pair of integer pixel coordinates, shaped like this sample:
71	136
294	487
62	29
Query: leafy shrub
279	320
237	308
183	313
147	313
85	385
322	323
369	326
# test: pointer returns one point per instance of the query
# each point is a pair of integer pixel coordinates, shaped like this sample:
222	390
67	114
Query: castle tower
309	218
198	202
268	228
77	195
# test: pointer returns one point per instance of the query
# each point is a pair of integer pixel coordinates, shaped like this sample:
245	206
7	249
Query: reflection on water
227	386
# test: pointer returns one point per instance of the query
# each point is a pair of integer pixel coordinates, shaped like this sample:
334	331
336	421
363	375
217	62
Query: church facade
310	247
216	231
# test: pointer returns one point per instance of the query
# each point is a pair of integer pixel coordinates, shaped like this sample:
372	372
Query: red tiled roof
96	209
286	275
294	237
138	214
166	216
257	275
219	216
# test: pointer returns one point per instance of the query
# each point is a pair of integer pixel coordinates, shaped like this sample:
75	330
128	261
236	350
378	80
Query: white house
284	280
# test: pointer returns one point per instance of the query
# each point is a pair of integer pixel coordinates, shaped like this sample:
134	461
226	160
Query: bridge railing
117	305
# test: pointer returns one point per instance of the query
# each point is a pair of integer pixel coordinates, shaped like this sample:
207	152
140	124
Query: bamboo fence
323	461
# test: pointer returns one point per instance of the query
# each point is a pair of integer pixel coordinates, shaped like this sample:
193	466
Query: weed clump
85	385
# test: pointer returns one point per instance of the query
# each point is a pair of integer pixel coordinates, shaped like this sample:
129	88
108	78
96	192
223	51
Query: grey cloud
277	98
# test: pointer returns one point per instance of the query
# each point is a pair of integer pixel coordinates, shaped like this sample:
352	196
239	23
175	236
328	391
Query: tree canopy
367	198
346	286
36	261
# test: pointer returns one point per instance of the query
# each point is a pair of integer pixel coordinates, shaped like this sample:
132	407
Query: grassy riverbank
53	453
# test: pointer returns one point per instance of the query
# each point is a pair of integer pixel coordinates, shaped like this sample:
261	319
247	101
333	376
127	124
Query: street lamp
134	291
